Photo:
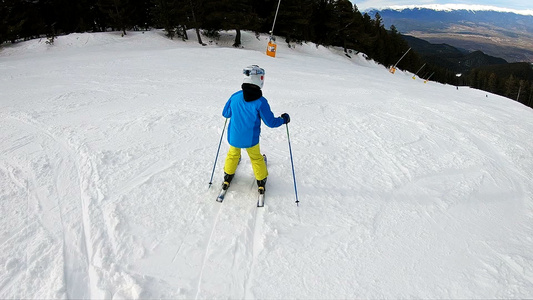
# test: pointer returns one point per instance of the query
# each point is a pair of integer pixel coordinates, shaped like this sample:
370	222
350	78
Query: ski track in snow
407	190
76	267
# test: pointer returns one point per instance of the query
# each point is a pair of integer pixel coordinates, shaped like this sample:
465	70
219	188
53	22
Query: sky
509	4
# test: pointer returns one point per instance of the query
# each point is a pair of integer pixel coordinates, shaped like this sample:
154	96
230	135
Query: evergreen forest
324	22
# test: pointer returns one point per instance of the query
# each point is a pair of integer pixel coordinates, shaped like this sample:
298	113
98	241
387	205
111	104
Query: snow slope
407	190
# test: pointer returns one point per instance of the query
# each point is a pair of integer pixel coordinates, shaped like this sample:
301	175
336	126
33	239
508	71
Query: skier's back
246	109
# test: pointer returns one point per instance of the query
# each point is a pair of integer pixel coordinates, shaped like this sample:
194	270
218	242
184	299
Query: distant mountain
502	33
452	58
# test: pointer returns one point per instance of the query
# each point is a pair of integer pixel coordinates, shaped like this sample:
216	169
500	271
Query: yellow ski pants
258	163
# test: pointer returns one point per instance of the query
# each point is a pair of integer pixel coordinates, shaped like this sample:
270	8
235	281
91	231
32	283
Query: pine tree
23	20
294	20
380	50
347	24
492	85
378	22
323	22
230	15
368	36
397	47
511	87
4	20
165	15
356	33
194	7
140	14
530	103
118	12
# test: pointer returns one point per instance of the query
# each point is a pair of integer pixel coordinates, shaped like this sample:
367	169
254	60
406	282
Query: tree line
514	81
323	22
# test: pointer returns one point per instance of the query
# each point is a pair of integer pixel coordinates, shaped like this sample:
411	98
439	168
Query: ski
261	191
225	187
261	198
222	192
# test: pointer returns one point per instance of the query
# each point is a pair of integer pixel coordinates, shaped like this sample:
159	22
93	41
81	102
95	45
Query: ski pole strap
218	150
292	164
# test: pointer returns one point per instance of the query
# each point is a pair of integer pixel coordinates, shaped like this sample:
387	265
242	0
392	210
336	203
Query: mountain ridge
452	7
452	58
503	34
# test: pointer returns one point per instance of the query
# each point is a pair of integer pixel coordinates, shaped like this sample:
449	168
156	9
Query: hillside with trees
324	22
513	80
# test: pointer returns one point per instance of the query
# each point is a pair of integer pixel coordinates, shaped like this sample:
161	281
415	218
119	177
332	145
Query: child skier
246	109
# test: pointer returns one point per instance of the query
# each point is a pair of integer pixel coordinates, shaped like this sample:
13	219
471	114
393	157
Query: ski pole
218	150
292	164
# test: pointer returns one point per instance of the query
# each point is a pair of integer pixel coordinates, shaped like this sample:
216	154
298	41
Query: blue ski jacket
246	109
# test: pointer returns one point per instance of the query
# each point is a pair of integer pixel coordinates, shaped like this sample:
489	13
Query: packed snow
407	189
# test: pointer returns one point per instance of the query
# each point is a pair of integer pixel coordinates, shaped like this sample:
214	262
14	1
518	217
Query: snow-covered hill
468	7
407	190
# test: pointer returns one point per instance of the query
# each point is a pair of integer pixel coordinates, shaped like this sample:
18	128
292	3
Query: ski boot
227	180
261	185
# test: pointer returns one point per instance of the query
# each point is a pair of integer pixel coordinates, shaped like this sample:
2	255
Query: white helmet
255	75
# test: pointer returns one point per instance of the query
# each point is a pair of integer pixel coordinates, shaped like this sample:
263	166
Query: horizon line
450	7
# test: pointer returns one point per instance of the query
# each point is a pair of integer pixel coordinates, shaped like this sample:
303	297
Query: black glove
286	118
